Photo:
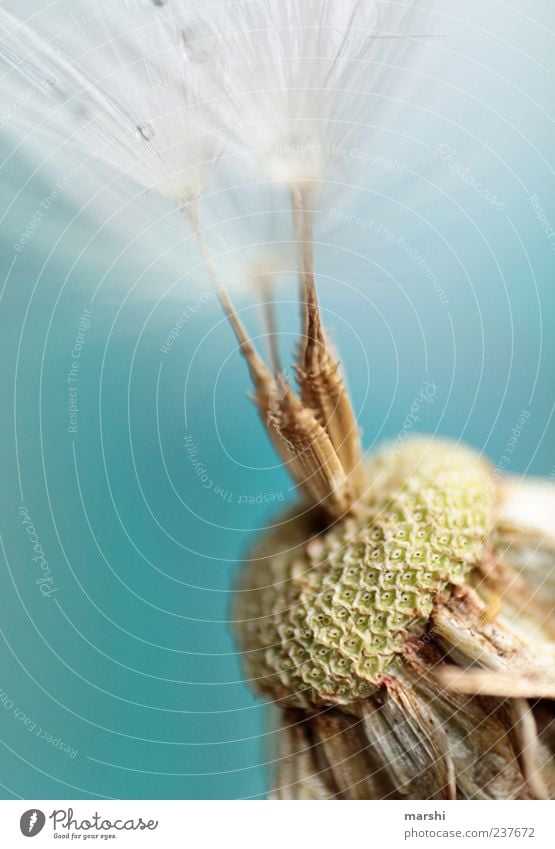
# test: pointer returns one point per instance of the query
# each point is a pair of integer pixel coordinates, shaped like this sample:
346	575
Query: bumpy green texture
321	618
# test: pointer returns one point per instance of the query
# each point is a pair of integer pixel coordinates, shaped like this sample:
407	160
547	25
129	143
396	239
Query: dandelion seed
286	78
131	88
165	90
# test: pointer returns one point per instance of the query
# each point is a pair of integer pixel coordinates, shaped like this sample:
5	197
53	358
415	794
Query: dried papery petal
527	608
523	557
529	504
461	627
412	739
508	684
302	773
478	729
306	743
529	553
532	758
411	742
509	666
341	739
328	755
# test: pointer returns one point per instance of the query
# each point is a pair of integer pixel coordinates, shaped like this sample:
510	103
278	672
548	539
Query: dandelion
401	616
123	89
286	79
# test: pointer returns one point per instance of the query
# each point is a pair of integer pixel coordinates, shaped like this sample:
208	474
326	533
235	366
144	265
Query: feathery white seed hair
283	77
154	87
119	84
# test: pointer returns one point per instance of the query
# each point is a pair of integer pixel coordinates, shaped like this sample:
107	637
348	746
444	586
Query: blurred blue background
436	266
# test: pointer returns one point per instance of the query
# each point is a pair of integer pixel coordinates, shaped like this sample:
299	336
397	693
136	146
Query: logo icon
32	822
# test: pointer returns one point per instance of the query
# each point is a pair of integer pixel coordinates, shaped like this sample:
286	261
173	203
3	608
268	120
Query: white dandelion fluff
162	91
160	86
117	87
287	79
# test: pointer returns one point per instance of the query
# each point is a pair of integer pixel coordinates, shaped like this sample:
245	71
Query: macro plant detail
342	605
383	630
400	616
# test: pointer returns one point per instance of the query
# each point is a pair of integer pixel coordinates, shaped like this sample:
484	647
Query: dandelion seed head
152	93
285	79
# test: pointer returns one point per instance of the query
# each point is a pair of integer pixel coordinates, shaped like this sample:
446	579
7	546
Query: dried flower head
402	644
402	615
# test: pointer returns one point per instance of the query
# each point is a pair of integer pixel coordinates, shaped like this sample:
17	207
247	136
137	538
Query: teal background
131	661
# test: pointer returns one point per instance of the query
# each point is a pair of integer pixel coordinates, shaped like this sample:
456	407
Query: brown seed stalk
311	441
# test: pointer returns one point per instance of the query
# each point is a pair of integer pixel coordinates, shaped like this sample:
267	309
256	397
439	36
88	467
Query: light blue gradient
131	660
